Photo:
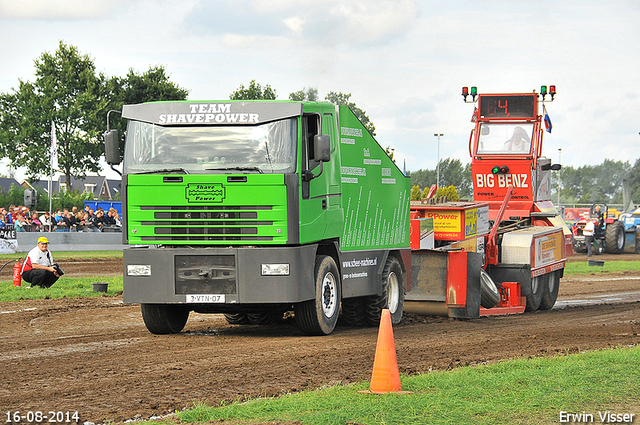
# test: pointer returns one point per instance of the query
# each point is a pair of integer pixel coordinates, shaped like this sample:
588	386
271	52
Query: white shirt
589	228
38	257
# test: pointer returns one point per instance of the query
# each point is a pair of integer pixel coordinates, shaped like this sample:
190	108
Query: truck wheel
535	294
550	288
319	316
614	238
489	294
265	317
162	319
353	312
237	318
392	295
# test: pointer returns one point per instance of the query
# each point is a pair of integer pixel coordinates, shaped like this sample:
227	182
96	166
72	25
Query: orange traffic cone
386	376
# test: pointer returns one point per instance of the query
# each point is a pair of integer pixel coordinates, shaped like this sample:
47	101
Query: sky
404	62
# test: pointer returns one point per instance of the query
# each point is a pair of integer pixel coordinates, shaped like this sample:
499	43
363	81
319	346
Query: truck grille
244	223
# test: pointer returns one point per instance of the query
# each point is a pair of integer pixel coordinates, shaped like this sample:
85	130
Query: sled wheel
489	294
550	288
535	294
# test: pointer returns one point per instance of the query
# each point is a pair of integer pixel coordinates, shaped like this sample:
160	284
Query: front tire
163	319
392	297
320	315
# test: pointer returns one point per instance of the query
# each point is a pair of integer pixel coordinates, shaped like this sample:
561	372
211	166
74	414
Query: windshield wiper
166	171
236	168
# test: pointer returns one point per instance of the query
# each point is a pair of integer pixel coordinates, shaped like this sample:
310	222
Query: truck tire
163	319
489	294
237	318
320	315
535	294
614	238
392	296
353	312
265	317
550	288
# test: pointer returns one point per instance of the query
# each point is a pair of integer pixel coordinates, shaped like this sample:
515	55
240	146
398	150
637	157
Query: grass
522	391
69	287
583	267
65	255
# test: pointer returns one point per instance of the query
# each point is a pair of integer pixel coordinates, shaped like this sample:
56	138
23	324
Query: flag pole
52	153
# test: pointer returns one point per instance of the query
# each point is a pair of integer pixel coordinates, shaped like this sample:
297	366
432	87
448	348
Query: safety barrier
71	241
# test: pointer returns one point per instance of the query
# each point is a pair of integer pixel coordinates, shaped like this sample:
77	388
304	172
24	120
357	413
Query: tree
452	173
151	86
67	94
342	99
448	192
416	193
254	91
306	94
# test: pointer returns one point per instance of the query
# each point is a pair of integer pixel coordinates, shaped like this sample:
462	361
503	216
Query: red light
552	89
465	91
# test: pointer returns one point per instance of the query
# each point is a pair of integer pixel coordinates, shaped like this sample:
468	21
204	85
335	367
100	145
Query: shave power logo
205	192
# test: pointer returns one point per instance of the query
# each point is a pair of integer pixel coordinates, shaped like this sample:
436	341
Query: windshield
505	138
265	148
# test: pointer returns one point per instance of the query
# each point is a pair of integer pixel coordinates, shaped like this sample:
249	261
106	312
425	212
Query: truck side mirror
322	147
112	148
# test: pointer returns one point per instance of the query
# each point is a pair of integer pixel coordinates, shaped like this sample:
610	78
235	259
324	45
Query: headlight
275	269
138	270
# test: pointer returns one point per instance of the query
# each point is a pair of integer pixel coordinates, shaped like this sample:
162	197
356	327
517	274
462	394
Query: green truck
257	208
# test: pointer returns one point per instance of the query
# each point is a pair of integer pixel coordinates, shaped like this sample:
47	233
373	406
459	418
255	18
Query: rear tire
550	288
353	312
320	315
614	238
163	319
535	294
265	317
392	297
237	318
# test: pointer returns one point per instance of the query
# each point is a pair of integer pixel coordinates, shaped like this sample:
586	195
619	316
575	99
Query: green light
474	91
495	169
543	90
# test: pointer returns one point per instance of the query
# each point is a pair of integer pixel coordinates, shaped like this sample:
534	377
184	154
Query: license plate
205	298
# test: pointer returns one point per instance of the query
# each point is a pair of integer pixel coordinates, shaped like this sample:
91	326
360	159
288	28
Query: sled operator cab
505	146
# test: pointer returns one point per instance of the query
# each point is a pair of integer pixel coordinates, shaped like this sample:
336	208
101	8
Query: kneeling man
39	269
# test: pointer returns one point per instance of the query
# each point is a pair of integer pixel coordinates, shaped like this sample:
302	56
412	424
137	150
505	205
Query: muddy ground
95	356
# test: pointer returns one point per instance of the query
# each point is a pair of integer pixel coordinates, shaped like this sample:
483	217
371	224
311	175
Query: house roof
98	186
5	183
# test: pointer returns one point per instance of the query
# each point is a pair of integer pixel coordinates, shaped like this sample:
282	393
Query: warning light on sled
552	92
474	93
497	169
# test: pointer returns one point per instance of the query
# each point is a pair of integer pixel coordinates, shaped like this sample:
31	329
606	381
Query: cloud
329	22
57	9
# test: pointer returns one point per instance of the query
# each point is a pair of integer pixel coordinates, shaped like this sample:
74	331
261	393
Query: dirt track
96	357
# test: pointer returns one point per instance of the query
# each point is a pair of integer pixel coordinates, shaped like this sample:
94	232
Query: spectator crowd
86	220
